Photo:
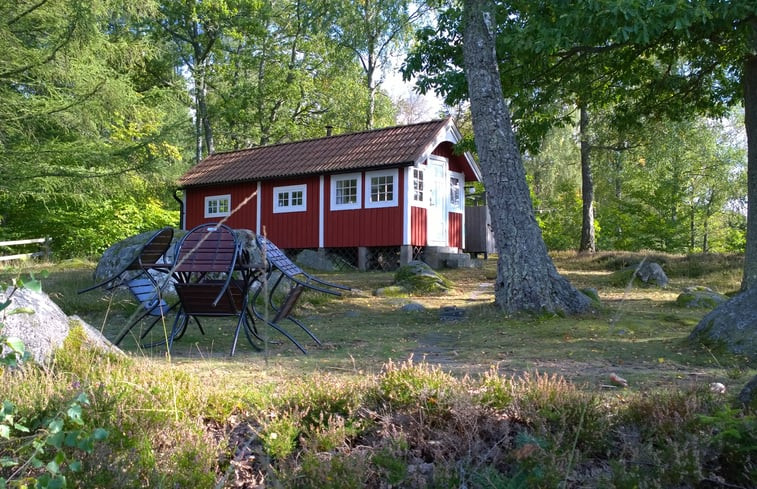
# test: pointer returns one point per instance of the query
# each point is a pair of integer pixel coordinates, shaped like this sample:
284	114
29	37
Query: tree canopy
638	64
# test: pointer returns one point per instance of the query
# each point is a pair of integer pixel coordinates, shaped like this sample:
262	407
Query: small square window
217	205
346	191
292	198
383	188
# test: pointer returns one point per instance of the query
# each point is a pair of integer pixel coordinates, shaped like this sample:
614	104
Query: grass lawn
637	332
392	398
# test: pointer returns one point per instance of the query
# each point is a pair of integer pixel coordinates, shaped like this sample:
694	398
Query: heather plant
409	384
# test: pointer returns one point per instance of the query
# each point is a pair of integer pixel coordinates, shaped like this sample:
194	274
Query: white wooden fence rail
44	250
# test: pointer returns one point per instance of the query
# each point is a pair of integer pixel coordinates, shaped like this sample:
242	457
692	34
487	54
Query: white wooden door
438	201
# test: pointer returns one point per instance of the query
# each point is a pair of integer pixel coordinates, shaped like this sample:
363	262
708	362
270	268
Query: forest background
105	103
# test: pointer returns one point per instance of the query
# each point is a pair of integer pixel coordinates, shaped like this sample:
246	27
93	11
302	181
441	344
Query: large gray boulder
732	325
748	395
652	273
315	260
41	325
122	253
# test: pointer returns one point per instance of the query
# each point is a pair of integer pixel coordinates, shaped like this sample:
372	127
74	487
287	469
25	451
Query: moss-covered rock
592	294
732	326
391	291
700	297
419	278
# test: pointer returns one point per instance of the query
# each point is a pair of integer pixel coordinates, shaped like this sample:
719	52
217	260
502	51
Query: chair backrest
207	248
141	258
277	259
153	249
145	292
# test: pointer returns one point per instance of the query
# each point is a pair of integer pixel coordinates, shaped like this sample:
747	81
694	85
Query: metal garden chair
280	267
135	274
207	269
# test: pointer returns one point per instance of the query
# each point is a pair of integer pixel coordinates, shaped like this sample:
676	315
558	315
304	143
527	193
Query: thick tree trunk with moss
750	122
527	280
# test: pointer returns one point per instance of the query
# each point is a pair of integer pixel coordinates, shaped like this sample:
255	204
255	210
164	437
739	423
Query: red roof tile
379	148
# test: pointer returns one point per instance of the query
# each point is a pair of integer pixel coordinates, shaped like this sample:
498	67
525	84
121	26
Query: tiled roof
379	148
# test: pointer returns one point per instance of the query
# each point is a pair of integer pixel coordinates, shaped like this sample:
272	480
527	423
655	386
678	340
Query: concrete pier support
406	254
362	258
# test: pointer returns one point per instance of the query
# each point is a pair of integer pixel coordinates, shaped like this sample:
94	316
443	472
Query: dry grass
485	401
637	332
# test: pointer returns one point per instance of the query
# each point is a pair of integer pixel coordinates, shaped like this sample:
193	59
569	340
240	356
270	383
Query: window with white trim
381	188
418	185
346	191
217	205
292	198
455	195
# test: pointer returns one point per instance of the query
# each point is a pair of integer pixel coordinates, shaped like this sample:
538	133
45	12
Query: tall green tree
527	280
195	29
280	77
77	113
674	59
374	30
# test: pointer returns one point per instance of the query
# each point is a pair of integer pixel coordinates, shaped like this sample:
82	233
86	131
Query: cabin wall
418	233
243	217
455	230
364	226
290	229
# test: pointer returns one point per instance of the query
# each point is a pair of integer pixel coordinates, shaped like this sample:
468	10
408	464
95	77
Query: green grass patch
408	399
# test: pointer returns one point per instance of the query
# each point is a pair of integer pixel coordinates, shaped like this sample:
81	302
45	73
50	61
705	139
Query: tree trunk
588	241
370	74
527	280
750	122
198	135
201	93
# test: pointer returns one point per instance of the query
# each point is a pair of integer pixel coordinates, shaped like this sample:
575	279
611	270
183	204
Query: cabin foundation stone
445	257
362	258
406	254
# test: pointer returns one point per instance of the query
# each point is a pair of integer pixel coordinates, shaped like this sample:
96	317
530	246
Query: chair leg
251	331
291	299
125	330
305	329
164	315
179	326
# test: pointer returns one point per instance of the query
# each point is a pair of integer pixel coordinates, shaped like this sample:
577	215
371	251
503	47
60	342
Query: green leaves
52	449
16	351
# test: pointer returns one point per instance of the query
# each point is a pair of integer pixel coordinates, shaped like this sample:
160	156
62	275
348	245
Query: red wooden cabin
398	189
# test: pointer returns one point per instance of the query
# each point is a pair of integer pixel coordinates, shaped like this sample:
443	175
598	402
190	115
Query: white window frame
369	176
359	197
289	189
218	199
457	206
414	175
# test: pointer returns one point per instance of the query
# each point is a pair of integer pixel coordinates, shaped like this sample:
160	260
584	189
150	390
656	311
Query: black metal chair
136	274
145	258
207	268
280	267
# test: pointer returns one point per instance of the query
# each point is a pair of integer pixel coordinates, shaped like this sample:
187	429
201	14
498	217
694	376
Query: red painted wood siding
364	227
455	229
418	227
243	217
457	163
291	229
